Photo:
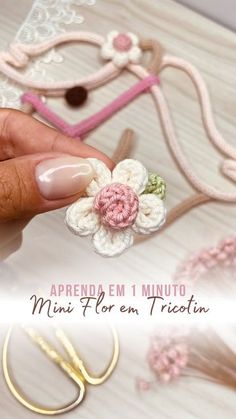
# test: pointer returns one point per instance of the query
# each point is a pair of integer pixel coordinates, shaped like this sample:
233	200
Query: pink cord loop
17	56
228	168
117	205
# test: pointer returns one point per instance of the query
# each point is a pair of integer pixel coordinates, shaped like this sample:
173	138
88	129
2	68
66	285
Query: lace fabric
46	19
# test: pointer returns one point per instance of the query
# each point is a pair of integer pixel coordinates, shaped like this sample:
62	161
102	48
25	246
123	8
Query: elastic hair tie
154	65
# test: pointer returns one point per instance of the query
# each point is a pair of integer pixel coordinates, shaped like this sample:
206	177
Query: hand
40	168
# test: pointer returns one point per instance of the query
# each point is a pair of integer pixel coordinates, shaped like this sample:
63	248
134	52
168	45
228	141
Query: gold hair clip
75	369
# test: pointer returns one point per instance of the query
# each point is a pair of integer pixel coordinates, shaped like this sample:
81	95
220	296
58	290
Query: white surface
218	10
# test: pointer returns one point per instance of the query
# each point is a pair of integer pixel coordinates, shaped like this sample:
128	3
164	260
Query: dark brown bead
76	96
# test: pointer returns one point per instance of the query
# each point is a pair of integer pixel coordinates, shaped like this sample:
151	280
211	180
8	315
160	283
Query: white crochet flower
115	207
121	48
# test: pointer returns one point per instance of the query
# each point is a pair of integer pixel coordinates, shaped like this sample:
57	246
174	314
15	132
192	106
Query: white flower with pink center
121	48
115	207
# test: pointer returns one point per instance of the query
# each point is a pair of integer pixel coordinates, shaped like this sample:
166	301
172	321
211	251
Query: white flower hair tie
117	205
121	48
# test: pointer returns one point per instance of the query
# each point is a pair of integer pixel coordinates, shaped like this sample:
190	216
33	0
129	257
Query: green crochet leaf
155	185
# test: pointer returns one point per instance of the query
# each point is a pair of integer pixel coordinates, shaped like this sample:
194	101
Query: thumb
38	183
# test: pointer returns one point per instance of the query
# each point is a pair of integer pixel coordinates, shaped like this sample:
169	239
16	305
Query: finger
38	183
11	248
21	134
10	237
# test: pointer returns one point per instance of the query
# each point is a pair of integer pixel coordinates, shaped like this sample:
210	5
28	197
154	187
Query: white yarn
109	243
134	38
83	220
102	177
111	36
121	58
151	215
132	173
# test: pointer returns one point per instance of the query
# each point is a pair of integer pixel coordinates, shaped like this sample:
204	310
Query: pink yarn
117	205
88	124
19	54
214	135
122	42
168	355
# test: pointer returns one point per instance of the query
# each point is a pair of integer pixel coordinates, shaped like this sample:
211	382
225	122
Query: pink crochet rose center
122	42
117	205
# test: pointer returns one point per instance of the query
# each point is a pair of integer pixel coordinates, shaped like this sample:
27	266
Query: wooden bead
76	96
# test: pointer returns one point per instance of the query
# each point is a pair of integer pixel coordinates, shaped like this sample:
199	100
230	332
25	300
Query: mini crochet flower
121	48
168	354
115	207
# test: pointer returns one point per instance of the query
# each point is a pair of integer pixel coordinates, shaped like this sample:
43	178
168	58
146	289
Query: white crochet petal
132	173
111	35
121	59
107	51
134	38
81	219
135	55
151	214
110	243
102	177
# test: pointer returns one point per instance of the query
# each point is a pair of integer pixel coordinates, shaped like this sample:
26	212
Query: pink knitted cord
18	55
175	147
117	204
205	104
44	111
79	130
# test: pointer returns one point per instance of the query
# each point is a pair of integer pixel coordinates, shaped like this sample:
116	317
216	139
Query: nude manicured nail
63	177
